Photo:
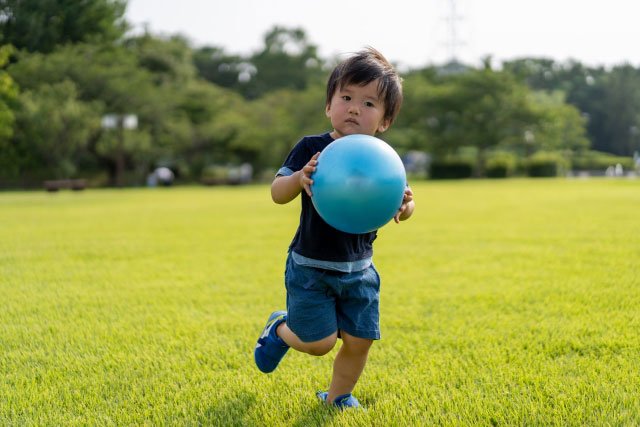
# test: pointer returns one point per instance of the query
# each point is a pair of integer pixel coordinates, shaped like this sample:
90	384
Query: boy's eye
369	104
346	98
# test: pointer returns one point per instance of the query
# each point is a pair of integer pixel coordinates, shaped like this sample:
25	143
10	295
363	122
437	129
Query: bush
500	165
228	175
498	171
545	164
215	175
596	160
453	169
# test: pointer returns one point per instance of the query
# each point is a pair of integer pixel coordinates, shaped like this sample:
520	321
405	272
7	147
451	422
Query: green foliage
204	107
37	25
545	164
106	73
218	67
215	174
418	126
287	61
184	122
479	108
169	60
516	304
596	160
560	127
620	105
107	77
450	169
8	97
609	99
52	127
501	164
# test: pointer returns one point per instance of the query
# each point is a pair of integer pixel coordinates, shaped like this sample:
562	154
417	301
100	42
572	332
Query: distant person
332	284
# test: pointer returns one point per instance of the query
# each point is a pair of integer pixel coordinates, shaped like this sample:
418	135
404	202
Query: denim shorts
321	302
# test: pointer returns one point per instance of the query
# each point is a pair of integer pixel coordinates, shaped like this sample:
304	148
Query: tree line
67	65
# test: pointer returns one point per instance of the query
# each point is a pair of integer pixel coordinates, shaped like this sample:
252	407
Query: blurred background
146	93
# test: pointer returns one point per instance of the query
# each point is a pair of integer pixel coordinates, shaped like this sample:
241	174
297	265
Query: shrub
545	164
450	169
500	165
215	175
596	160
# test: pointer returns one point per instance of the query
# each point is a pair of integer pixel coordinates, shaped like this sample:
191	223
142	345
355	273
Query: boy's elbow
281	199
274	196
277	199
281	192
277	196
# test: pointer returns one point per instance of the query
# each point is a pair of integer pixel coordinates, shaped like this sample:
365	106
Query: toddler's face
357	109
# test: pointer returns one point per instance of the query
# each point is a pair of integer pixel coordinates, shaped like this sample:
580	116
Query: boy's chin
340	134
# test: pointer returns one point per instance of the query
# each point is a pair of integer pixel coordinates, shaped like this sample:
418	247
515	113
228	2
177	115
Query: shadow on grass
317	416
230	411
320	414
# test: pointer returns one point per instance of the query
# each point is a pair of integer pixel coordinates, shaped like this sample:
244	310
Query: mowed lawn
505	302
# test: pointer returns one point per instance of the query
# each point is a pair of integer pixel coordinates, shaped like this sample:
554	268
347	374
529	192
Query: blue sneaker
270	348
342	402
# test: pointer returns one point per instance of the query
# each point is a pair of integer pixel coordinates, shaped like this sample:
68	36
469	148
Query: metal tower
453	41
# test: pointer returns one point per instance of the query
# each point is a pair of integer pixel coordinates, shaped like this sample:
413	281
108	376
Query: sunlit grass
503	302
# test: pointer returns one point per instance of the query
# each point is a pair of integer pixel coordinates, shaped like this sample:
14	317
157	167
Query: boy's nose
354	110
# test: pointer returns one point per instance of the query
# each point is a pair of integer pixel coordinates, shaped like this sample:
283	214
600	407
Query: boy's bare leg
315	348
348	365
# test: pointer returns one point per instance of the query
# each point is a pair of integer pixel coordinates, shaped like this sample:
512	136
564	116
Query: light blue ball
359	184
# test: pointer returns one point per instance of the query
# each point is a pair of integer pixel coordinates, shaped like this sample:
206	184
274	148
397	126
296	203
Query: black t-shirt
315	238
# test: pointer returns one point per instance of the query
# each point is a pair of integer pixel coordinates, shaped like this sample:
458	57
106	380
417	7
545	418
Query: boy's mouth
354	121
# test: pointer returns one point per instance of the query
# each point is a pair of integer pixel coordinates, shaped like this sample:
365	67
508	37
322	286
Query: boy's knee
355	344
321	347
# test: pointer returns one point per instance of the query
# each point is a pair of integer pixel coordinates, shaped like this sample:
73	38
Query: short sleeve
298	157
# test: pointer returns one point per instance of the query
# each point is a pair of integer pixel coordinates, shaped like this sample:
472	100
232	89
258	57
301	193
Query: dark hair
363	68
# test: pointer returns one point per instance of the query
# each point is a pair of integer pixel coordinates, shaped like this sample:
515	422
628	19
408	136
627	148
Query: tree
481	108
277	121
37	25
50	146
213	117
109	77
8	97
169	60
561	127
620	107
218	67
287	61
584	87
415	126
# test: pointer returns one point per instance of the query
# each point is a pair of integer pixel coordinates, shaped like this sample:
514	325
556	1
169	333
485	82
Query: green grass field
513	302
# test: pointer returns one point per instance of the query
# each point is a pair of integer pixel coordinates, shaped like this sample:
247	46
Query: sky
411	34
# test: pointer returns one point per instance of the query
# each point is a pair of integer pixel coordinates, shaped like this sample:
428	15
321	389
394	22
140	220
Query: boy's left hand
408	198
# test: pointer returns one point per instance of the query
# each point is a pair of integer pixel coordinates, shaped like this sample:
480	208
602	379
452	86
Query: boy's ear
327	110
384	125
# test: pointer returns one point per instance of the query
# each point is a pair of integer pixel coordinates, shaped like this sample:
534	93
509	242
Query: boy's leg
311	311
315	348
276	339
348	365
270	349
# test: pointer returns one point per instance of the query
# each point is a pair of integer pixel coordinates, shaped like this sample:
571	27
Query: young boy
332	285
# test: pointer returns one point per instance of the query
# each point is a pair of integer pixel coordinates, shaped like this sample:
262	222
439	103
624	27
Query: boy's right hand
306	171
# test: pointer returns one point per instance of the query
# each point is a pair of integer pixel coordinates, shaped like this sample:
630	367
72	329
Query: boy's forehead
371	89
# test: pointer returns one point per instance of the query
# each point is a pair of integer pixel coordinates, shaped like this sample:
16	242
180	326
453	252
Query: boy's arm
286	188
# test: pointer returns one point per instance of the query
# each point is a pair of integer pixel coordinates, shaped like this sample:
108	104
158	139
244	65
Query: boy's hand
406	200
307	170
